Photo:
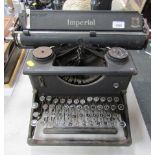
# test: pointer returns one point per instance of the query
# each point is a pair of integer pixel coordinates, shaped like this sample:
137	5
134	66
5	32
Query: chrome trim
18	39
82	32
9	38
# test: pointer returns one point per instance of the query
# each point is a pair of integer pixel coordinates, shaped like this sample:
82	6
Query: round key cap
99	107
113	107
66	107
120	107
79	107
96	99
109	99
86	107
34	122
49	98
76	101
55	100
42	98
122	124
72	106
45	106
116	99
89	99
82	101
108	115
36	114
52	106
93	107
35	105
106	107
62	100
69	101
102	99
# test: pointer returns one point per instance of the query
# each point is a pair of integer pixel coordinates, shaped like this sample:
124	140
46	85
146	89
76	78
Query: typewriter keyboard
73	115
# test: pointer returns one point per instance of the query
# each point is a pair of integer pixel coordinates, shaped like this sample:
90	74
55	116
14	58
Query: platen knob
117	54
43	53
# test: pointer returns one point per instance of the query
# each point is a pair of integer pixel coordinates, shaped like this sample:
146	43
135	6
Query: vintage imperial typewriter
80	66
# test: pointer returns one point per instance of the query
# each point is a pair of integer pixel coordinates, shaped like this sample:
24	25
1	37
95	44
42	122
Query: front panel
54	85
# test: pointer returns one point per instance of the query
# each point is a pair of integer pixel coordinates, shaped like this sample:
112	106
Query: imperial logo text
78	23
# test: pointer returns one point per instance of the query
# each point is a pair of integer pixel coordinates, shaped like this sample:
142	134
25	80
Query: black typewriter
79	65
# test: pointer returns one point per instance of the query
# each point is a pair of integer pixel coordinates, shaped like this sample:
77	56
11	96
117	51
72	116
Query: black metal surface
95	20
105	39
79	56
112	68
47	79
53	85
49	28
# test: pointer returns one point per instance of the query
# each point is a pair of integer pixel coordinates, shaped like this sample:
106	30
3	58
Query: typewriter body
79	65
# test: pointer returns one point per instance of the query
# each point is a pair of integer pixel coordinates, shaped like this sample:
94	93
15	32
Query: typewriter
79	65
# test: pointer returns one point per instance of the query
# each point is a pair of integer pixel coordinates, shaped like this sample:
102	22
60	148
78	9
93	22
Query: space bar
80	130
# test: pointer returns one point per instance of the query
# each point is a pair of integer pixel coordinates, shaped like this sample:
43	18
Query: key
116	99
82	101
122	124
48	99
79	107
45	107
35	105
108	115
36	114
62	100
113	107
109	99
106	107
42	98
76	101
121	107
34	122
102	99
55	100
93	107
99	107
96	99
86	107
89	99
69	101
